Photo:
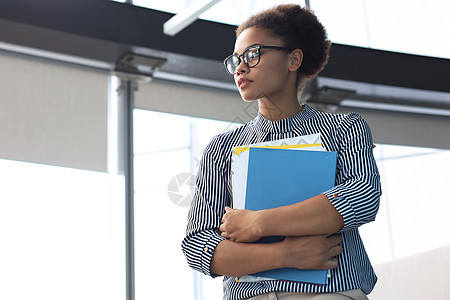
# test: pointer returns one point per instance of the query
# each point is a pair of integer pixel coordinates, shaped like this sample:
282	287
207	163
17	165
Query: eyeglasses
250	57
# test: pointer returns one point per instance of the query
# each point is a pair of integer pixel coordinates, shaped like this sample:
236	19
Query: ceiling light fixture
187	17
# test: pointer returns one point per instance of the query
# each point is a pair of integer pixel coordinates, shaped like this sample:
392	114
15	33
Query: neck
275	110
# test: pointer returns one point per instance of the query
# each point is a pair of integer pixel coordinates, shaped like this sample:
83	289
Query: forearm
307	252
238	259
314	216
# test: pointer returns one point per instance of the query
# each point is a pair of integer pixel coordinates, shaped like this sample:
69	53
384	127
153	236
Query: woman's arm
315	216
308	252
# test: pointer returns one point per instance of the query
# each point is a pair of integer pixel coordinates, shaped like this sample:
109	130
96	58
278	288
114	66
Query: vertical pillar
125	167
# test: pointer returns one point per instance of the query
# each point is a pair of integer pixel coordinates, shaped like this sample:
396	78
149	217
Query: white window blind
194	101
387	127
53	113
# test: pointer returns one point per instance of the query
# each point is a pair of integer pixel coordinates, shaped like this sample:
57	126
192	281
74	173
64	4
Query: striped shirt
355	196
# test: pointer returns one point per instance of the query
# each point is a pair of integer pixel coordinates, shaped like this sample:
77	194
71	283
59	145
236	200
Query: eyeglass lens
250	58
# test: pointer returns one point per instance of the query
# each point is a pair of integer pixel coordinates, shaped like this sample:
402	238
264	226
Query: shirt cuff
207	253
338	199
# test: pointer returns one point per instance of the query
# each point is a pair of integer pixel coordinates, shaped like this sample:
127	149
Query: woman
275	53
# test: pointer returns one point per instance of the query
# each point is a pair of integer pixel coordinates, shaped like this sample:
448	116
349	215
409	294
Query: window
414	205
62	233
61	228
379	24
167	152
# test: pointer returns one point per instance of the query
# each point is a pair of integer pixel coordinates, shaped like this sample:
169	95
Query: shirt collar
285	125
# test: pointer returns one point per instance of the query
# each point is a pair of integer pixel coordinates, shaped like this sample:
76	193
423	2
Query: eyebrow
256	44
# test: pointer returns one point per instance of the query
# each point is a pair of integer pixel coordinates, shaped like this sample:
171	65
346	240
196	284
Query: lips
243	82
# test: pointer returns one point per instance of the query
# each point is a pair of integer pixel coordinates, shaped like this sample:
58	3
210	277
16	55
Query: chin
248	98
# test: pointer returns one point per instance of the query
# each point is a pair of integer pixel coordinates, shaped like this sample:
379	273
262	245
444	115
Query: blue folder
279	177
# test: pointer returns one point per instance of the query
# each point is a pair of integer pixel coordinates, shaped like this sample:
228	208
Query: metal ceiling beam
105	30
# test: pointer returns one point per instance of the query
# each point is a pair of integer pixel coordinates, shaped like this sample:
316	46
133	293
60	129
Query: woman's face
269	78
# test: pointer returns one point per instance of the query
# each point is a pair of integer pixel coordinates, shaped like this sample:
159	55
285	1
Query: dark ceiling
105	30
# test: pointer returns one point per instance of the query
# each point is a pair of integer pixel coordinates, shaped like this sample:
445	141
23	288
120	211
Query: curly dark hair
299	28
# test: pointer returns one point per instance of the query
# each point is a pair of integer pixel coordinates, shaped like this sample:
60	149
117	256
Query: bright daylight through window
365	23
164	171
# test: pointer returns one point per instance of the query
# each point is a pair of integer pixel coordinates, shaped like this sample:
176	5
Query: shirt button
335	195
206	249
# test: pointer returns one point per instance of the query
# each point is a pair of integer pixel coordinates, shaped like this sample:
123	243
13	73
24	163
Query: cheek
272	78
269	78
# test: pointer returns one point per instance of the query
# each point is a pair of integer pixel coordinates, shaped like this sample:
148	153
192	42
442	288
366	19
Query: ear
296	59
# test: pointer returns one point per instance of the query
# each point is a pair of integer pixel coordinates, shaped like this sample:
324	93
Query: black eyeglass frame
258	47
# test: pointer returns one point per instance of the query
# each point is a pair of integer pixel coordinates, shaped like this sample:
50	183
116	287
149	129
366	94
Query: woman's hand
311	252
241	225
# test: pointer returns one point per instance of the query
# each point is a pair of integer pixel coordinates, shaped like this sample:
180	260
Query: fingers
334	240
227	209
222	226
331	264
223	230
312	252
335	251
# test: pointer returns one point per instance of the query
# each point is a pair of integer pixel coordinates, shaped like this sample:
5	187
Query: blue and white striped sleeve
204	218
356	195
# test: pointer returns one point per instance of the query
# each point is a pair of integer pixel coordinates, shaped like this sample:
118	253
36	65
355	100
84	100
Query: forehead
255	36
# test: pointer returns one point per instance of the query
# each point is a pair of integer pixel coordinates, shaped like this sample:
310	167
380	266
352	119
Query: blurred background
104	117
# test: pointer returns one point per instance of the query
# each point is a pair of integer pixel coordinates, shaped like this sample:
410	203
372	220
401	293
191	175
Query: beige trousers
345	295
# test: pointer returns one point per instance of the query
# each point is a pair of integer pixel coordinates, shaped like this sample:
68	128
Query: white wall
416	277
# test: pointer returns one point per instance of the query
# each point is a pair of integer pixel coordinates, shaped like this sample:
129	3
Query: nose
242	68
